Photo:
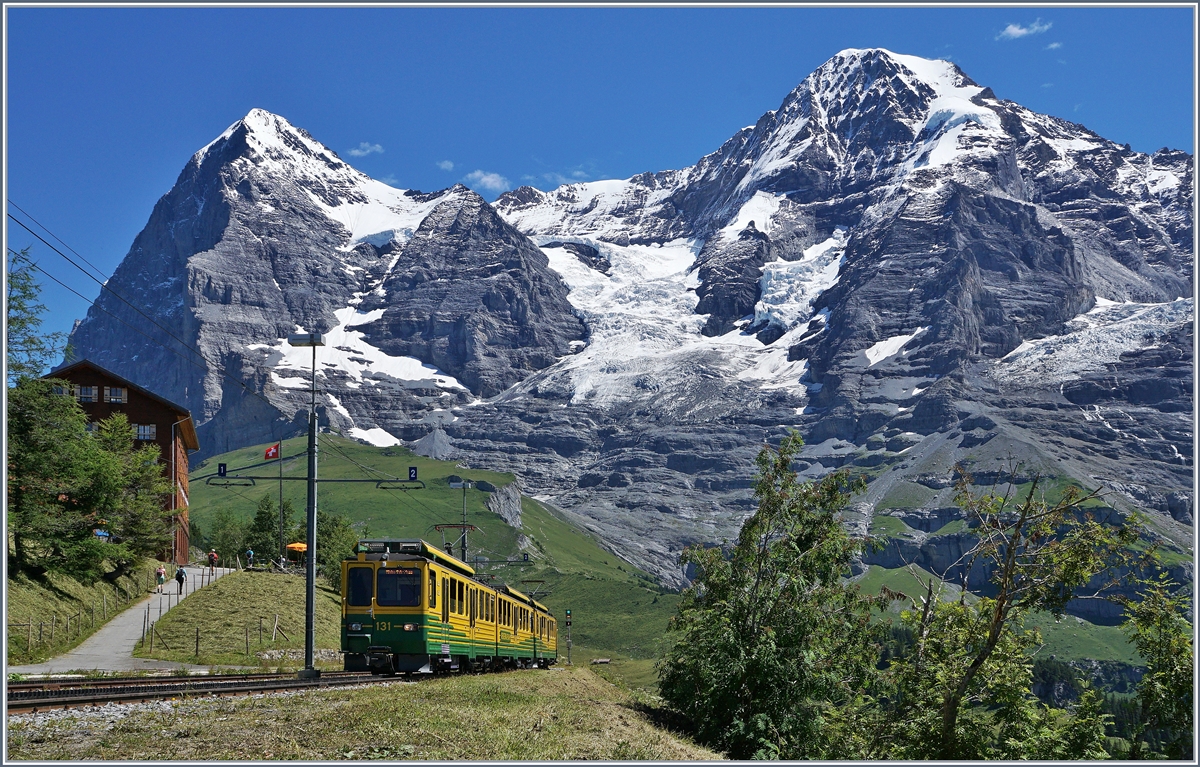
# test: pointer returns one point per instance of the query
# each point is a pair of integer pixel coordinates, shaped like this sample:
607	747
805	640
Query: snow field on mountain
387	214
345	350
1095	339
888	348
759	209
642	323
589	209
788	288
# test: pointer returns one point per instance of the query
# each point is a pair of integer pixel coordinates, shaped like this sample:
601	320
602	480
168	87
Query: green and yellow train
409	608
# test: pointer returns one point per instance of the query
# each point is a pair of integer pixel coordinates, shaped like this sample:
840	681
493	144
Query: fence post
259	629
105	598
53	625
247	641
29	636
41	632
276	628
197	643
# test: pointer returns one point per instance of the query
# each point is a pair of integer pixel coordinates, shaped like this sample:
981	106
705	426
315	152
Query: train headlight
411	627
355	627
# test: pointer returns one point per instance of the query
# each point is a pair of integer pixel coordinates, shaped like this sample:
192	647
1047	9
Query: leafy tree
263	533
64	482
53	463
226	534
773	649
196	536
963	691
29	350
136	490
1159	630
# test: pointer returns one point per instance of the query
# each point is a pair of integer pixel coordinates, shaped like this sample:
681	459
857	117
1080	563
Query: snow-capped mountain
904	267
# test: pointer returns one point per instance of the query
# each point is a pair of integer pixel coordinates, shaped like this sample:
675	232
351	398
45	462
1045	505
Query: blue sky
106	105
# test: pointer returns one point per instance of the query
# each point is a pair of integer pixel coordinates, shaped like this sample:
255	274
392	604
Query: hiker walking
249	557
180	576
160	577
212	562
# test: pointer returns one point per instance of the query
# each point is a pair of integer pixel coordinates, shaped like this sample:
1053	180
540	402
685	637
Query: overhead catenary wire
365	469
207	364
25	213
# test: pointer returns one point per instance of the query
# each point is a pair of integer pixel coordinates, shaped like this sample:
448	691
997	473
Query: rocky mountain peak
263	137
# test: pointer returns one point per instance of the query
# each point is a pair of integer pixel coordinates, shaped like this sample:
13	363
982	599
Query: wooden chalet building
102	393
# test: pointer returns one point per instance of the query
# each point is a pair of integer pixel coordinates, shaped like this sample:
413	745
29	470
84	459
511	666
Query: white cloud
1013	31
364	149
489	182
446	165
1047	85
390	180
1053	46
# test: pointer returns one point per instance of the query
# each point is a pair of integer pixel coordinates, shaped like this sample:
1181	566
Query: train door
445	648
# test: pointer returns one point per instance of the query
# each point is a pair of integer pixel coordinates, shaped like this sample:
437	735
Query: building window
115	394
145	431
87	393
92	427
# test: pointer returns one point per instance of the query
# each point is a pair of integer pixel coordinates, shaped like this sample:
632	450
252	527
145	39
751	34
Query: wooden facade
102	393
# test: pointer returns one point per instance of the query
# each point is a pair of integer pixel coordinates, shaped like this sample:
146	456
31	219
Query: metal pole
282	543
464	529
311	569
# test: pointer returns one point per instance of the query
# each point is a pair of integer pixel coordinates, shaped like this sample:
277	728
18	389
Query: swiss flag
272	452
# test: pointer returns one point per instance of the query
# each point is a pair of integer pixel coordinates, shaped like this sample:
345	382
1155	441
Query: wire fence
212	641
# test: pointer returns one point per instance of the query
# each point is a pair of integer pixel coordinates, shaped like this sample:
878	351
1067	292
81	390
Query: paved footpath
111	647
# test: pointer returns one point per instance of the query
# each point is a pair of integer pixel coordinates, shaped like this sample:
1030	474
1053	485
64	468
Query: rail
35	696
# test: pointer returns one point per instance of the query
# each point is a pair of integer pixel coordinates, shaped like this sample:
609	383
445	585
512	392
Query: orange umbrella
297	547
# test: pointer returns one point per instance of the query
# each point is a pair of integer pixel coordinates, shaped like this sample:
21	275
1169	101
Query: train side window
462	598
454	595
358	586
445	600
432	589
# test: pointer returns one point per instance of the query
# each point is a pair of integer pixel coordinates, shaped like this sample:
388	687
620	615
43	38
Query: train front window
358	587
399	587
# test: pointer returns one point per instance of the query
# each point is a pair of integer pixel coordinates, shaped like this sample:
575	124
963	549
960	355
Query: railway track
52	694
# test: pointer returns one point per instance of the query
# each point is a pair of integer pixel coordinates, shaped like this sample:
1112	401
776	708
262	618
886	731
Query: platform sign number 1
221	468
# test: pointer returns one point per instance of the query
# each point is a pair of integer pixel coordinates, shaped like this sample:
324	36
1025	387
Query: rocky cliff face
909	270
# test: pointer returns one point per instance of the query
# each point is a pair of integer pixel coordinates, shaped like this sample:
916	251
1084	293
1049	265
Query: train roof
523	597
413	546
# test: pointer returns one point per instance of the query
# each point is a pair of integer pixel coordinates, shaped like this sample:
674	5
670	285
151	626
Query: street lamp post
314	340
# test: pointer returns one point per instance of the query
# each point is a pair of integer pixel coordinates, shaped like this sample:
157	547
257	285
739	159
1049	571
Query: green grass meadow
232	610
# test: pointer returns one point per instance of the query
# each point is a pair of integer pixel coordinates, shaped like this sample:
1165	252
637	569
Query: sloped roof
187	428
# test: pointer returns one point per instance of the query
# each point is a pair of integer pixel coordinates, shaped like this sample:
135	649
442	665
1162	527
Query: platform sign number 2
412	473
